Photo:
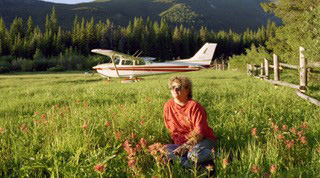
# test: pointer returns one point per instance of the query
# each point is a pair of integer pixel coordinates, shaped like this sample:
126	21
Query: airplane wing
115	54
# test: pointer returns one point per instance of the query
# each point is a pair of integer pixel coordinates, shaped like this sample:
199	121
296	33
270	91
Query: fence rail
303	69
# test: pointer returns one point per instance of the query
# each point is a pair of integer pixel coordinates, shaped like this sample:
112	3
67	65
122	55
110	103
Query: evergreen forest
25	47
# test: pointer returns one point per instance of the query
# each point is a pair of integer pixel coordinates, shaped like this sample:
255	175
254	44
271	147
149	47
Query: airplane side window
140	62
126	62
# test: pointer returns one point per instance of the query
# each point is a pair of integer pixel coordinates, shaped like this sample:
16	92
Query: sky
68	1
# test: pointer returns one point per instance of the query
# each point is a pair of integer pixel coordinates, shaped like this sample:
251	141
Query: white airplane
124	65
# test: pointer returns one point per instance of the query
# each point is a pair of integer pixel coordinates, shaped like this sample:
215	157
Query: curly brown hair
185	82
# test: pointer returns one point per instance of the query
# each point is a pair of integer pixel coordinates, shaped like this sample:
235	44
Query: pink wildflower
280	137
119	135
303	140
2	130
273	168
85	125
300	133
284	127
138	147
24	128
107	124
255	169
254	132
266	174
99	168
143	142
126	144
225	162
289	144
274	126
293	130
304	125
131	163
43	116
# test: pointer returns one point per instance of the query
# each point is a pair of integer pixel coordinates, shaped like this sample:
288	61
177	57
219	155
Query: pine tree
30	27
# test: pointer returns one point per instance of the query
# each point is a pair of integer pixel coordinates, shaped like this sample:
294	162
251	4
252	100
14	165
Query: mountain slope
215	14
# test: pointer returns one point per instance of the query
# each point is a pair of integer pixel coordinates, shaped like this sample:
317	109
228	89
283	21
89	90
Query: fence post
222	64
215	64
261	70
276	67
266	68
255	70
303	71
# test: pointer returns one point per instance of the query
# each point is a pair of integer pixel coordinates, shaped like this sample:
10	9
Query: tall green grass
55	125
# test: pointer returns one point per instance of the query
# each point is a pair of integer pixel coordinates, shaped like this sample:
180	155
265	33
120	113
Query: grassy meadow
75	125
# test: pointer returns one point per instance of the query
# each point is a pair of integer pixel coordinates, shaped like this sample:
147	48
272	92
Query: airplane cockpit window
127	62
140	62
117	61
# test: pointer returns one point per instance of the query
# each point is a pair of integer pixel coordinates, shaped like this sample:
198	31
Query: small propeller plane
124	65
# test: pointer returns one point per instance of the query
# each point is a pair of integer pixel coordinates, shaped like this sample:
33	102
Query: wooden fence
219	65
303	68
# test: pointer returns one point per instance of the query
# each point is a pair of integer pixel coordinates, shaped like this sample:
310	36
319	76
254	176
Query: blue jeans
201	152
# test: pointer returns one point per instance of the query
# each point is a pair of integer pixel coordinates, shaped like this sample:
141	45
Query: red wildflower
225	162
131	152
126	145
303	140
142	122
99	168
107	124
274	126
255	169
119	135
43	116
284	127
2	130
304	125
280	137
154	148
254	132
273	168
266	174
289	144
24	128
85	125
143	142
293	130
36	113
300	133
131	163
138	147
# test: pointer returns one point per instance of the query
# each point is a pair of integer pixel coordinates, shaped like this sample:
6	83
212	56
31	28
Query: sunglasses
176	88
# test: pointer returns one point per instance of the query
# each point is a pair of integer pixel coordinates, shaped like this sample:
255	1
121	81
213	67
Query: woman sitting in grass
187	123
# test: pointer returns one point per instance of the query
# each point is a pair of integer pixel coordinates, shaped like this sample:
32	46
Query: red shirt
183	121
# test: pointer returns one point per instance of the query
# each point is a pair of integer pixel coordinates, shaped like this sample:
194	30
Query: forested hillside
237	15
33	49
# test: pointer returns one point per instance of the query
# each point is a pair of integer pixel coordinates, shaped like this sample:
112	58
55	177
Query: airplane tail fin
205	54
